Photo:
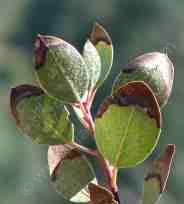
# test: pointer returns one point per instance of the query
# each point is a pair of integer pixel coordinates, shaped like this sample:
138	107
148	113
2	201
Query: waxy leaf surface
42	118
155	68
102	41
156	179
128	126
61	69
93	62
70	172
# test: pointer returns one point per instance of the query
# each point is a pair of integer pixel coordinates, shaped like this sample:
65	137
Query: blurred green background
136	27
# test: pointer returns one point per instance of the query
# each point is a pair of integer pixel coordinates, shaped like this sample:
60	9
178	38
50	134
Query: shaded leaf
156	179
93	62
70	172
60	68
128	125
154	68
100	195
102	41
42	118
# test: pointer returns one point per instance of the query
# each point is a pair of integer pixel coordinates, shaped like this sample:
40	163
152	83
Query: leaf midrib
123	138
72	87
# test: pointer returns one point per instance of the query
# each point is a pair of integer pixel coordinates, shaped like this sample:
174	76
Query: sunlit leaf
154	68
102	41
60	68
70	172
42	118
156	179
128	125
93	62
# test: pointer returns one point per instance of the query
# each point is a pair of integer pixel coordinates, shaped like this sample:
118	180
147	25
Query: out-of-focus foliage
136	27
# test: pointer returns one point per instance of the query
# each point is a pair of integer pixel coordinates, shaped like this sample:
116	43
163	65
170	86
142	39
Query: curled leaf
70	172
60	68
155	68
156	179
128	125
102	41
42	118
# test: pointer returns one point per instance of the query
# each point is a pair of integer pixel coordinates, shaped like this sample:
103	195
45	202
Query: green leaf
61	70
156	179
41	117
70	172
155	68
102	41
100	195
128	125
93	62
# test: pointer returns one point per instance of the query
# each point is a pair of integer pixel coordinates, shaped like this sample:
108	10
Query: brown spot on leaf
99	34
19	93
57	154
160	168
40	51
100	195
140	94
136	93
104	106
42	44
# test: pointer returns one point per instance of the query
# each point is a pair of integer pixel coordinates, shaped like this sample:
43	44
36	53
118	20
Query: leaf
155	68
70	172
93	62
60	68
156	179
102	41
100	195
128	125
42	118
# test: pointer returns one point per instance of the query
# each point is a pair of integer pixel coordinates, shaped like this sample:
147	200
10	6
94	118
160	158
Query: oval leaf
93	62
129	125
42	118
70	172
60	68
102	41
154	68
156	179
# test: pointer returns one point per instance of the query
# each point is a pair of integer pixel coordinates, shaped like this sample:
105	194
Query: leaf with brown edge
60	69
103	43
100	195
157	176
128	120
70	172
155	68
42	118
138	93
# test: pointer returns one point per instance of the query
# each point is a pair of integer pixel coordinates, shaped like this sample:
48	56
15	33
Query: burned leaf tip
42	44
57	154
161	167
20	92
170	149
99	194
99	34
140	94
104	106
40	51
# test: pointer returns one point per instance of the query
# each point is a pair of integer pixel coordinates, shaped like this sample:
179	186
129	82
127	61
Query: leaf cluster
126	128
